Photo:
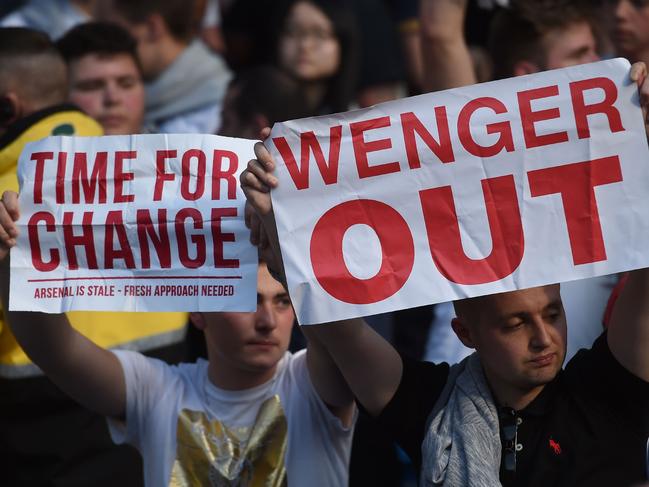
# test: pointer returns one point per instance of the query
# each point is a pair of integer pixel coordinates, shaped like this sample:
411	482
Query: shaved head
466	309
469	310
520	337
31	67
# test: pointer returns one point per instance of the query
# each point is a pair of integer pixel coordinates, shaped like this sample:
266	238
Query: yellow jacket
137	331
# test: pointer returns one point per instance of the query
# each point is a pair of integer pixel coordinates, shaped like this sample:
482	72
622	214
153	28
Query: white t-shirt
190	432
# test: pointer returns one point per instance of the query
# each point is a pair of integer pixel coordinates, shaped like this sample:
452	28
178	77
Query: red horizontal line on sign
121	278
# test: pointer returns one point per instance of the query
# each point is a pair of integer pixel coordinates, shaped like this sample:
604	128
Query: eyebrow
557	303
275	296
580	51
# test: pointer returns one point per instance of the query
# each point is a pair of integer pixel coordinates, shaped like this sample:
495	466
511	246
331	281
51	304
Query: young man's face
631	28
110	90
570	46
521	339
251	344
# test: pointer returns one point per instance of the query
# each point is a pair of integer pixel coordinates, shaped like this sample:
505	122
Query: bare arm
327	379
368	363
347	349
628	335
89	374
410	38
628	332
446	59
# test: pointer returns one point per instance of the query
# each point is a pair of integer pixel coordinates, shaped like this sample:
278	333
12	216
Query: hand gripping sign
133	223
477	190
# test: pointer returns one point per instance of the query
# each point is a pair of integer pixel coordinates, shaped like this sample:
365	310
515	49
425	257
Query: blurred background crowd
232	67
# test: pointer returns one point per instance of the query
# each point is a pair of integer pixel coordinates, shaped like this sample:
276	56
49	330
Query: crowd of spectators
234	67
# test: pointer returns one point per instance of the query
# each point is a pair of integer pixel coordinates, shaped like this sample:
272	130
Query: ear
198	320
463	332
10	108
525	67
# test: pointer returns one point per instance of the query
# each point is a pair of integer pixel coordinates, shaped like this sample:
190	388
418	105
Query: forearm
327	379
86	372
628	335
44	337
411	47
446	59
369	364
447	65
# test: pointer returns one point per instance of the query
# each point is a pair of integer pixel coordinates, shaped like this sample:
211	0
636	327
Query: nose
540	338
307	40
265	317
111	94
303	44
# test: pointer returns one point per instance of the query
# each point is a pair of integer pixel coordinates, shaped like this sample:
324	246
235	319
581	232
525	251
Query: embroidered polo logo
556	447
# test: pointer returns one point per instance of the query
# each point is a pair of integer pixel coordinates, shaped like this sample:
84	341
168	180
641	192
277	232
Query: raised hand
639	75
256	182
9	213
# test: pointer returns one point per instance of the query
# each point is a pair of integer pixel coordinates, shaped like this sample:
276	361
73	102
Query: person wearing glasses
318	47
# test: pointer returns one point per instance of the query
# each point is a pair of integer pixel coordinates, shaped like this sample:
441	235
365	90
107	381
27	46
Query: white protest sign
476	190
133	223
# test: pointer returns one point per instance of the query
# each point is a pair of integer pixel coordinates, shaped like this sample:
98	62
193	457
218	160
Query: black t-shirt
588	427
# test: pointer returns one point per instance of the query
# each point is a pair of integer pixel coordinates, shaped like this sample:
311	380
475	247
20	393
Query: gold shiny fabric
210	454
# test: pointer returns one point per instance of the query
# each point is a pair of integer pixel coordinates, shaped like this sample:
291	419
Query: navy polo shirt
588	427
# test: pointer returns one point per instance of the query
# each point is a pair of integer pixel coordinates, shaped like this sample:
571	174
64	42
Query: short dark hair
22	41
31	65
268	91
100	38
179	15
516	32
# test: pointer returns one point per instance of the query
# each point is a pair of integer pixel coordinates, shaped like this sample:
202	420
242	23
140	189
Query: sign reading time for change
476	190
133	223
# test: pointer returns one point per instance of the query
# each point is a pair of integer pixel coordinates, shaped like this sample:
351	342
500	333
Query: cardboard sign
477	190
133	223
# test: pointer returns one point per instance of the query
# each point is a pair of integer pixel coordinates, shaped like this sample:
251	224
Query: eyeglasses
318	36
509	421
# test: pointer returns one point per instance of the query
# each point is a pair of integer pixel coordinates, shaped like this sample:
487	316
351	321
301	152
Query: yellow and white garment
133	331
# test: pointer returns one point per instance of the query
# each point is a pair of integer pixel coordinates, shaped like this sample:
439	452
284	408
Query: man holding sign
508	414
169	234
254	414
33	89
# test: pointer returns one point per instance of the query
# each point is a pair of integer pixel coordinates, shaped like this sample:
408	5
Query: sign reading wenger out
476	190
